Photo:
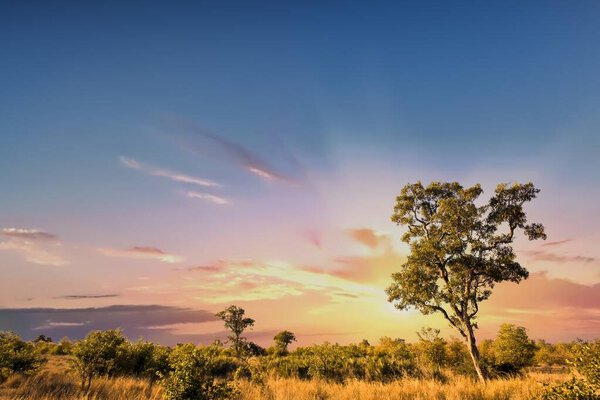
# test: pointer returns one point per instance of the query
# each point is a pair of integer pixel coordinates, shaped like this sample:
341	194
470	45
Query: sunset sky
162	160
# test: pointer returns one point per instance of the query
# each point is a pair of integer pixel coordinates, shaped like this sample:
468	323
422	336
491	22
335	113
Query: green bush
17	356
338	363
143	359
585	361
513	350
192	374
98	354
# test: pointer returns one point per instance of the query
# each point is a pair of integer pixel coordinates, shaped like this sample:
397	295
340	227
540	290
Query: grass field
56	382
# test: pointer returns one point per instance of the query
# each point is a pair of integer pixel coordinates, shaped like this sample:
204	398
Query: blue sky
310	116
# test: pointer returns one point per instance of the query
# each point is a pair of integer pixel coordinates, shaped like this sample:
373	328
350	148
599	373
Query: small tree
282	340
459	250
235	320
96	355
512	349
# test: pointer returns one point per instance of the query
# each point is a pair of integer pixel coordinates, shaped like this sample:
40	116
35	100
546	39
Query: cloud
540	255
35	246
211	198
165	173
135	321
86	296
229	281
141	252
369	237
313	237
553	308
217	146
30	234
557	243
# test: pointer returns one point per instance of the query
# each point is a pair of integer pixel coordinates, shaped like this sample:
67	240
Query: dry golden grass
54	386
459	388
55	382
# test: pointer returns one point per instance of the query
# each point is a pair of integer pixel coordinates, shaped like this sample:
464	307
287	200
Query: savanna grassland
57	381
106	366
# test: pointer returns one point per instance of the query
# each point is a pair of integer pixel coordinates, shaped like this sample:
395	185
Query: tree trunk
474	352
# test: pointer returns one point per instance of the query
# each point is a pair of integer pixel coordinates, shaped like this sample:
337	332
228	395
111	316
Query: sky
160	161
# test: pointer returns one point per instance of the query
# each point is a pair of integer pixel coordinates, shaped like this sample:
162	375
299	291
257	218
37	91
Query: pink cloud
35	246
369	237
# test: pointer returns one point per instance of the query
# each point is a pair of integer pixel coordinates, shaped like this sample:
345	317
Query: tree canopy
459	249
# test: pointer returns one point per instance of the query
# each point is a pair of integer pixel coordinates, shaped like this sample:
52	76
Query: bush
336	363
17	356
512	349
143	359
586	386
192	374
98	354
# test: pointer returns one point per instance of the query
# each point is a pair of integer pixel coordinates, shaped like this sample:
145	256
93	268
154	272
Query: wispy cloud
165	173
540	255
313	237
216	145
228	281
141	252
86	296
34	245
211	198
31	234
556	243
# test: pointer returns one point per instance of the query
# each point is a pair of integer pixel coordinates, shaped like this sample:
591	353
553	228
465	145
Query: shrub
586	386
143	359
17	356
97	354
192	374
512	349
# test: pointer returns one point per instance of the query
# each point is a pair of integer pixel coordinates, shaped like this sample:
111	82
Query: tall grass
50	385
53	385
458	388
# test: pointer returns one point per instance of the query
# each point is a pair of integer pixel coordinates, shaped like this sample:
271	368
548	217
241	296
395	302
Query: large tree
459	249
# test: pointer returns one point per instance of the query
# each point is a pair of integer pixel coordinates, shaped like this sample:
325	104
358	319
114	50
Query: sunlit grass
54	385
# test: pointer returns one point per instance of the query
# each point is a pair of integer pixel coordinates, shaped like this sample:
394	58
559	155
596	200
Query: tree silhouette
282	340
236	322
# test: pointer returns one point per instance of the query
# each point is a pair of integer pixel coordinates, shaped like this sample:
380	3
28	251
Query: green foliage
143	359
235	320
63	347
458	249
585	360
282	340
512	349
431	350
548	354
192	374
333	362
98	354
458	359
17	356
573	389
